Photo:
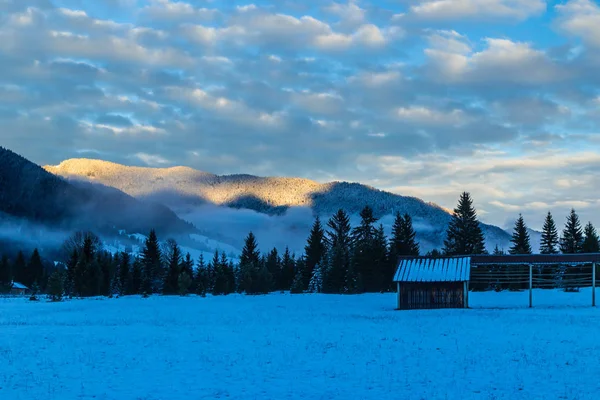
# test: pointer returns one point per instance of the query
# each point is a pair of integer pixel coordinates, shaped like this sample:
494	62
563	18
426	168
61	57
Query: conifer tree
362	257
20	268
35	269
70	273
231	284
339	242
464	235
286	277
137	268
5	272
152	272
216	274
316	281
125	273
572	237
173	263
201	283
314	250
549	242
56	286
183	283
273	264
382	281
187	266
298	282
591	242
250	266
520	238
404	238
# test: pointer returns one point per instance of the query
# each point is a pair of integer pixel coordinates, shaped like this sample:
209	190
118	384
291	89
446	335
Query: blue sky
419	97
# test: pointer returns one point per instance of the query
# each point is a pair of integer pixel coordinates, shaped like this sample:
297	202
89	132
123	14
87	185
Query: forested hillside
30	193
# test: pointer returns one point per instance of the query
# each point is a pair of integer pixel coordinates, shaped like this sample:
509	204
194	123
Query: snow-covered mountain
283	207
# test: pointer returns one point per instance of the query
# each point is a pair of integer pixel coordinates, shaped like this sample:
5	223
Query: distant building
18	288
433	283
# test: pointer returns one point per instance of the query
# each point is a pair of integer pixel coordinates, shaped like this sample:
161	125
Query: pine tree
137	269
498	251
70	273
520	238
404	242
20	268
362	256
231	284
5	272
187	266
250	265
339	242
216	274
382	279
572	237
549	243
273	265
35	269
183	283
56	286
152	272
286	277
298	282
591	242
173	263
464	235
314	250
316	281
125	273
201	278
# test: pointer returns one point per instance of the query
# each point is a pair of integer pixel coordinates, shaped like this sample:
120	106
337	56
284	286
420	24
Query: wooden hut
433	283
18	288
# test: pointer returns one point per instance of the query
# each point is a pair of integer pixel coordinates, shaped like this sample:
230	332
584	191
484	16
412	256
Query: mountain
29	193
185	189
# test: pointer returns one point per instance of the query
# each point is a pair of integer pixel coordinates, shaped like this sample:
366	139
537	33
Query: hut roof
18	285
447	269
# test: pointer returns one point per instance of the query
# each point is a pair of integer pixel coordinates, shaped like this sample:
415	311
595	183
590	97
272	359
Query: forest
337	258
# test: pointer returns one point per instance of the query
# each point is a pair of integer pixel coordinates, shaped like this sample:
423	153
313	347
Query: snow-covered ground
299	347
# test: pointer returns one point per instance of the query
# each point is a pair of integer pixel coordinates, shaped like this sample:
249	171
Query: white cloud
167	10
581	18
426	116
477	9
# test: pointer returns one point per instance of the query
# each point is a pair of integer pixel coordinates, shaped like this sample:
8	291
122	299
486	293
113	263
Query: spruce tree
287	271
572	237
173	262
20	268
184	282
5	272
201	284
382	279
125	273
137	269
216	274
70	273
314	250
250	266
298	282
316	281
152	273
339	243
404	238
35	269
273	264
520	238
362	256
56	286
549	242
187	266
231	283
464	235
591	242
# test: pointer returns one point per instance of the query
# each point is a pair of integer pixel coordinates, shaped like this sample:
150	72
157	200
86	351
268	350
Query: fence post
398	294
530	285
593	284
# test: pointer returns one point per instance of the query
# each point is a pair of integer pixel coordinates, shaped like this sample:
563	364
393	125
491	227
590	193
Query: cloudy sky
420	97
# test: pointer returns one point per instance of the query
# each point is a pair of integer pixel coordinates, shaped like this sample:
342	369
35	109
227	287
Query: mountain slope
30	193
185	188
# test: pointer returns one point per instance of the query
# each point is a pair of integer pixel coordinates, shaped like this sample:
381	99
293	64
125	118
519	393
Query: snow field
284	346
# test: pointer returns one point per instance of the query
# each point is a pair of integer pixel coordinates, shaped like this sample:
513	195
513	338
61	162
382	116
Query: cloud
414	96
477	9
580	18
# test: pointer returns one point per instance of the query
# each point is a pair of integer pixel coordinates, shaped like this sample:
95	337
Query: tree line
337	258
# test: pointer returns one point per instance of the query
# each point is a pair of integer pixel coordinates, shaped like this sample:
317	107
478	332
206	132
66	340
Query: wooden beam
398	294
530	285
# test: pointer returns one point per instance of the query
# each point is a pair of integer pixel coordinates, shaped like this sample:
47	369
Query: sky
425	98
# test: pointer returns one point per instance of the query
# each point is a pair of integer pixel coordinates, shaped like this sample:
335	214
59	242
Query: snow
285	346
18	285
434	270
